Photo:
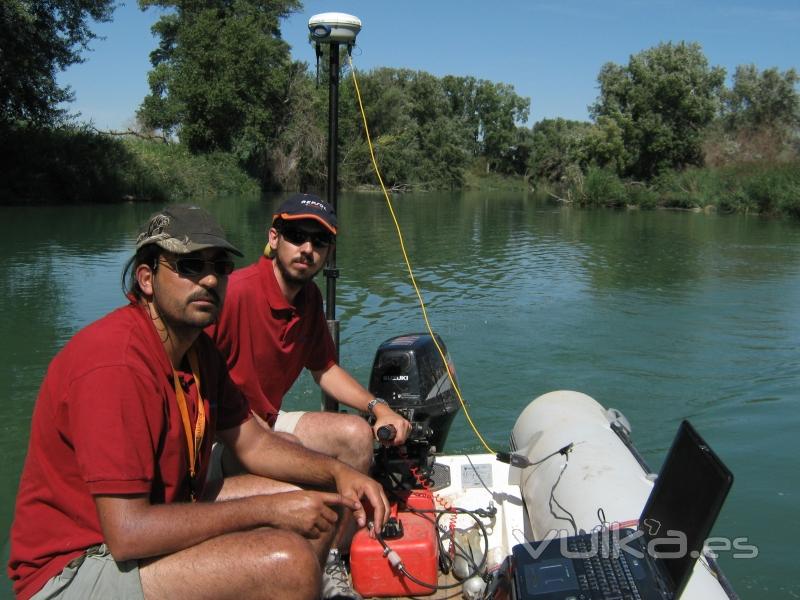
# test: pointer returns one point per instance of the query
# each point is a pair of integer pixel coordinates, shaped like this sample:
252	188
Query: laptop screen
685	501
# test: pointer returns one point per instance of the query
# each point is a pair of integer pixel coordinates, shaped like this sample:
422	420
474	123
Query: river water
663	315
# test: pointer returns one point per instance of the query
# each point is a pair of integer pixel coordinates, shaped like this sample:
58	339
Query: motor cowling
409	373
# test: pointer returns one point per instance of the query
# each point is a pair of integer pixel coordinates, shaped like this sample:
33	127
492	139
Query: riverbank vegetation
667	132
69	164
229	111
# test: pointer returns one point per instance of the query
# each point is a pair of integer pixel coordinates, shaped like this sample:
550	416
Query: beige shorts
94	575
287	421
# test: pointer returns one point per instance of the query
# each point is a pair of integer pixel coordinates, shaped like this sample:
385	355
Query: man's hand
357	486
134	528
337	383
384	415
308	513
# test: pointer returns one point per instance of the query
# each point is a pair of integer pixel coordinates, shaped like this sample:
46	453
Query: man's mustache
206	296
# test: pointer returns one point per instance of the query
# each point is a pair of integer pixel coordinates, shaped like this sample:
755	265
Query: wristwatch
373	403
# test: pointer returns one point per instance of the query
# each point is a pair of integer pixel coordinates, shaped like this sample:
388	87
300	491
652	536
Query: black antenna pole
332	29
331	270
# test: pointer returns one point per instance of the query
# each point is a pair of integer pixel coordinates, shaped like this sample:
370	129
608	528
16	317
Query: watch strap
373	403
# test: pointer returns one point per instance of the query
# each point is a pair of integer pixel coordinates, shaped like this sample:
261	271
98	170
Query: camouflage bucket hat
182	229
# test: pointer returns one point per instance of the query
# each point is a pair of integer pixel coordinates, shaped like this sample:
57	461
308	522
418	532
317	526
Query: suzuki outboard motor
409	374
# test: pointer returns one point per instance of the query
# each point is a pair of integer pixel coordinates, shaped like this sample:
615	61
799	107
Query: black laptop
652	562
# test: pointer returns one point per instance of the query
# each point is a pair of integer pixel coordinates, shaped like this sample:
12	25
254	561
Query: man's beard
295	280
184	323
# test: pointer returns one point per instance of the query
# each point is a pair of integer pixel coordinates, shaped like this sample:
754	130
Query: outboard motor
409	374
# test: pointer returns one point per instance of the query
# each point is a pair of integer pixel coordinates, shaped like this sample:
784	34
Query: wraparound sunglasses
298	237
191	267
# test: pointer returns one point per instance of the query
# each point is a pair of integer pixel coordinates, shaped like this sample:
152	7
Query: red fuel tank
417	547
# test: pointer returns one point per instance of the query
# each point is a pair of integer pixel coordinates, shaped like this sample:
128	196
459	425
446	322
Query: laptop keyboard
604	577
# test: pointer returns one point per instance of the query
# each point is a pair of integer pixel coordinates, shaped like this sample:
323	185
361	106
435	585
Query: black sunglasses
298	237
191	267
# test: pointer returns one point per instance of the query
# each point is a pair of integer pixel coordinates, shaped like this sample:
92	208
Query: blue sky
551	52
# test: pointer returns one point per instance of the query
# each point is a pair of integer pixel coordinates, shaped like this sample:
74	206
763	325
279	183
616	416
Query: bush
602	188
64	165
639	194
774	189
476	178
683	189
182	177
770	188
76	165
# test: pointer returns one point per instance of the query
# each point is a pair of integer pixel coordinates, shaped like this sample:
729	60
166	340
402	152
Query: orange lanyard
193	442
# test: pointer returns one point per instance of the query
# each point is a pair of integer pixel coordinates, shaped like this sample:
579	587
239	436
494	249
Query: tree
222	77
499	109
488	114
394	133
461	93
296	156
659	104
38	38
444	155
557	144
759	100
759	119
426	129
417	139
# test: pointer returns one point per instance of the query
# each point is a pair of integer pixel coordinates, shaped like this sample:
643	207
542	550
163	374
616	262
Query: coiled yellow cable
408	262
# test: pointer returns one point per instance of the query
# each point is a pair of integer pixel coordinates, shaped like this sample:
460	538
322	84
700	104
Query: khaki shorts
287	421
94	575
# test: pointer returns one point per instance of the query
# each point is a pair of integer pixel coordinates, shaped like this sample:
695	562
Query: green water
664	315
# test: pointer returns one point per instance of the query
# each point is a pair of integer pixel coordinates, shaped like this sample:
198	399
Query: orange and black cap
307	206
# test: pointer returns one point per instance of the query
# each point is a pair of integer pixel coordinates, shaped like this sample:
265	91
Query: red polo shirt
107	422
268	341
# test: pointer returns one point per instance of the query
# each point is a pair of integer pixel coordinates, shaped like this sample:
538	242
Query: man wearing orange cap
273	327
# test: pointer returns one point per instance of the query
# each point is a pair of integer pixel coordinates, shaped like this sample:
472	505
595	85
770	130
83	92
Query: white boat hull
602	473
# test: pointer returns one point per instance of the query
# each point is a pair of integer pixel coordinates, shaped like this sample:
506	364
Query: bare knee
263	564
286	564
357	436
346	437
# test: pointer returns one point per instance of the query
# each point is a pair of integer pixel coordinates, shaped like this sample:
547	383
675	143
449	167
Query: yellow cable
408	262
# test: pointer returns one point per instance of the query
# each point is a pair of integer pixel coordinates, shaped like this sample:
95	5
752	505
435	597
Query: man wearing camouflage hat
113	502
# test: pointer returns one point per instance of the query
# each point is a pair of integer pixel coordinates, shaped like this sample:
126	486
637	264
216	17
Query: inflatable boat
470	525
484	526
